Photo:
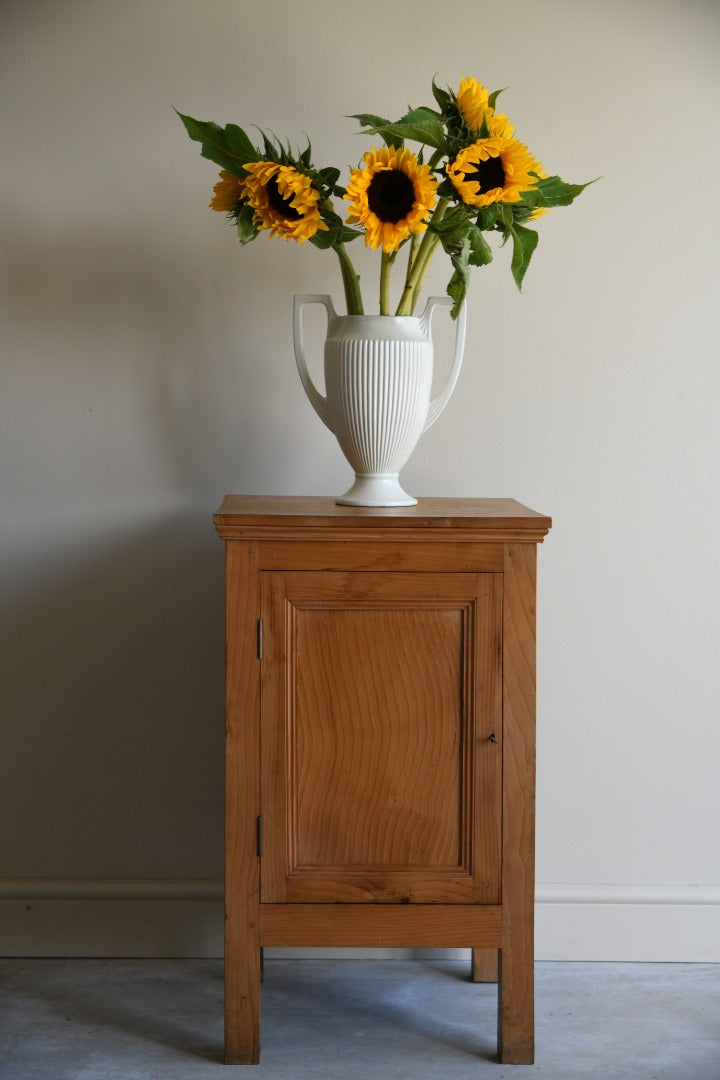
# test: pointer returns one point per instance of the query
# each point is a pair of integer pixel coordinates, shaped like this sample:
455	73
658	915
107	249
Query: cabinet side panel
242	807
516	976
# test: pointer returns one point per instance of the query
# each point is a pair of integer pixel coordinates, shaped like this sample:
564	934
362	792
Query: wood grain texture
380	694
378	777
516	968
320	518
485	965
382	926
382	556
242	806
387	737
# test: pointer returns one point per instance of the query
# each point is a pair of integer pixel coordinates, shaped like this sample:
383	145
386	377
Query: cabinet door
381	737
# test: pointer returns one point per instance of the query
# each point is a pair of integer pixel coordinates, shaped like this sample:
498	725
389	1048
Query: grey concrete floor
354	1020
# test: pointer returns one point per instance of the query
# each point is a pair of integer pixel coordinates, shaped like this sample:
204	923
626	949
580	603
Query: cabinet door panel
380	694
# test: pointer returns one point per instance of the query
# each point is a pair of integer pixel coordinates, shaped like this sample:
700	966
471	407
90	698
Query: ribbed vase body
378	392
378	380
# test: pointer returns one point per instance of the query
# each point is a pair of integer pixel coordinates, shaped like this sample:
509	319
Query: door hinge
260	639
260	836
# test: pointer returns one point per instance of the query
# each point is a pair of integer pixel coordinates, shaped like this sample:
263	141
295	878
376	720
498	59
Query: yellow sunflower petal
390	197
283	199
473	101
228	192
493	170
472	98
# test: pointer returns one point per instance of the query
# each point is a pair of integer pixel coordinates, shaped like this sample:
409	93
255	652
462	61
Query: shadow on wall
135	382
113	714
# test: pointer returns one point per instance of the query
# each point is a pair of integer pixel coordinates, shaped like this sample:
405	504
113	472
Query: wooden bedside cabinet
380	725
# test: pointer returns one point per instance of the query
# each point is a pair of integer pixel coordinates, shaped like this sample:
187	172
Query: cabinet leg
485	965
516	1009
242	1002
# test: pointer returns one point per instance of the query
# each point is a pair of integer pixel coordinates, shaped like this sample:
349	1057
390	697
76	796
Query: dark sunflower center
391	195
278	202
488	174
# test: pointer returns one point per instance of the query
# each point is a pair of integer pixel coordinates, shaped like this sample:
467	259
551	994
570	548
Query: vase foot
376	491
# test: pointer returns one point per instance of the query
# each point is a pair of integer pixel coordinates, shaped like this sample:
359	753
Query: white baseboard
574	921
631	922
110	917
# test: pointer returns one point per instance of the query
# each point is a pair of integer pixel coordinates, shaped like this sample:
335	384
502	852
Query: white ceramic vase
378	380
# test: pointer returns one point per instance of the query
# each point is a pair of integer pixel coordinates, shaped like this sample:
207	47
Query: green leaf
553	191
487	217
425	127
524	243
270	150
324	240
522	212
441	96
505	213
422	113
369	119
228	147
428	130
480	251
428	121
246	229
457	288
337	233
452	228
461	237
347	234
329	176
330	217
239	143
374	124
446	189
458	284
492	98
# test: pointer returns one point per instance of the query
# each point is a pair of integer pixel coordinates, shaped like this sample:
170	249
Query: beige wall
147	369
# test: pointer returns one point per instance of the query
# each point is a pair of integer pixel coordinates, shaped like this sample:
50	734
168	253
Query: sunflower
283	199
228	193
391	196
499	126
473	102
494	170
472	99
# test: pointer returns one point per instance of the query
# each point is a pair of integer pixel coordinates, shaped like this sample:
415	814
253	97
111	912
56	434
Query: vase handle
438	403
316	399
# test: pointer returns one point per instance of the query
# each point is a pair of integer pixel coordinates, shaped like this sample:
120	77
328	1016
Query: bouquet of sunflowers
471	176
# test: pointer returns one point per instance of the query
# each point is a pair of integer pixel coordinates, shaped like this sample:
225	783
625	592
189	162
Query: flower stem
412	254
422	271
419	266
386	261
351	282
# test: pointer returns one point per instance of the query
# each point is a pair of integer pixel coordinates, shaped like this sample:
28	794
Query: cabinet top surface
241	514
